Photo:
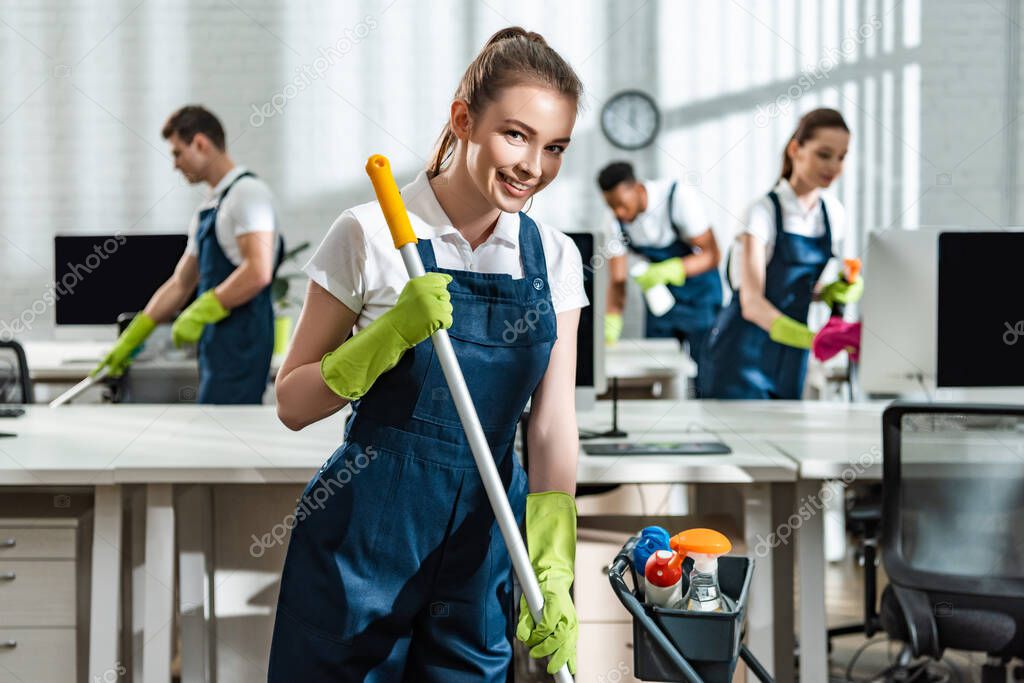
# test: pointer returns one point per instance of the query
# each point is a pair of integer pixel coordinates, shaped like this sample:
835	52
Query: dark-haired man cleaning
233	246
663	222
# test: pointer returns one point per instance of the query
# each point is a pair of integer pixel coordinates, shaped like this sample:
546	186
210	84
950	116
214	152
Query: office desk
160	446
104	447
851	450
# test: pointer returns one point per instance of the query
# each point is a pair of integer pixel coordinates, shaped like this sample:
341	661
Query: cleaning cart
682	645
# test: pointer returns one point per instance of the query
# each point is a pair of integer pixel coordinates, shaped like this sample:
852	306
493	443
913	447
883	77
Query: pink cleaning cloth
836	336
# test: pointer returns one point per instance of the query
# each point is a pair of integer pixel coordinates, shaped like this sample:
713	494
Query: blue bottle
652	539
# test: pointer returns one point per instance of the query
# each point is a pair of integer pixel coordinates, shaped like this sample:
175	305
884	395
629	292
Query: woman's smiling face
514	147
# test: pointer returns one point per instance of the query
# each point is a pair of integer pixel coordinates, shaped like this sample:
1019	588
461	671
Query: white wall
931	98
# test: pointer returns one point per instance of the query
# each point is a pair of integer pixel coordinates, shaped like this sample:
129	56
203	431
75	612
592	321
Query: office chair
864	517
952	534
15	383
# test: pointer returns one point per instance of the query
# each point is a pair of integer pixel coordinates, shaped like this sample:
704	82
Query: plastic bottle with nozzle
664	574
704	546
659	298
652	539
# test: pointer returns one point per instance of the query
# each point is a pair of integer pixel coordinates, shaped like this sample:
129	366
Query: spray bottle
705	546
659	298
850	274
652	539
664	574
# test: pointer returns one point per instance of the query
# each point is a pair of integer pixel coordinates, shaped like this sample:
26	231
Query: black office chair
863	520
15	382
953	534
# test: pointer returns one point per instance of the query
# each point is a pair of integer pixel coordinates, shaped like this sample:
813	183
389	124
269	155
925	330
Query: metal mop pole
78	388
379	170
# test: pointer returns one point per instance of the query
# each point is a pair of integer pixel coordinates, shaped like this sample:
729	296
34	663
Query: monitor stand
614	432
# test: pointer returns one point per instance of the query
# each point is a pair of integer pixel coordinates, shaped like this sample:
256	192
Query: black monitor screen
980	311
98	277
585	335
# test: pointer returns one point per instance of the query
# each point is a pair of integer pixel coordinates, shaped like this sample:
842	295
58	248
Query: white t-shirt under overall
249	207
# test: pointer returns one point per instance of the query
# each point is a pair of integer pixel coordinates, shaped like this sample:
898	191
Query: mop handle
78	388
379	170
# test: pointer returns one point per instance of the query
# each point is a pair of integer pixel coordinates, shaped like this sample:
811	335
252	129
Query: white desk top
96	444
739	417
66	361
647	359
61	361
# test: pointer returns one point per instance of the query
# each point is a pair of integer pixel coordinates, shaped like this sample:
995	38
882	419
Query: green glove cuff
119	357
208	308
676	271
787	331
352	368
551	536
138	330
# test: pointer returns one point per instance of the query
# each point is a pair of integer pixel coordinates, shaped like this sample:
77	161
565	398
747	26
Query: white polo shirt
759	221
249	207
357	262
652	227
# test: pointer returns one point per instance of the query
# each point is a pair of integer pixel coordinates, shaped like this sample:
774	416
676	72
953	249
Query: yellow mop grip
379	170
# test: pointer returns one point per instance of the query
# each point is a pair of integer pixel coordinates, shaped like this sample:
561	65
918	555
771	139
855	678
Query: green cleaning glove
423	307
612	327
667	272
843	292
120	356
787	331
551	541
204	310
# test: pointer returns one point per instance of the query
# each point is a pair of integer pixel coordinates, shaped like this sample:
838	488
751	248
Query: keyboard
660	448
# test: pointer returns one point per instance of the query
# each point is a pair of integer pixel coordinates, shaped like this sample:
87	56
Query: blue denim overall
697	301
234	354
398	571
742	362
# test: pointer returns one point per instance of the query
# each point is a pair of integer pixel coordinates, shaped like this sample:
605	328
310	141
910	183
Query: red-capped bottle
663	576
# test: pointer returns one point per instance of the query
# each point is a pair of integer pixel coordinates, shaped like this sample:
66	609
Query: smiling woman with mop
401	573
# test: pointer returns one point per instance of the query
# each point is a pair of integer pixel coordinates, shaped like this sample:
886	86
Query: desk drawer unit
38	609
37	543
39	655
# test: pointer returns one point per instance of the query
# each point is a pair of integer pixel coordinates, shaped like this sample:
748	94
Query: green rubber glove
843	292
423	307
667	272
612	327
787	331
119	357
551	540
204	310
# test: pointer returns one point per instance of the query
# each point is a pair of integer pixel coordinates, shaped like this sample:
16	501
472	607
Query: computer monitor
590	374
935	310
897	354
980	311
98	277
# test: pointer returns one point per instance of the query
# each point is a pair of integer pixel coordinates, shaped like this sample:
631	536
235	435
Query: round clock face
630	119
